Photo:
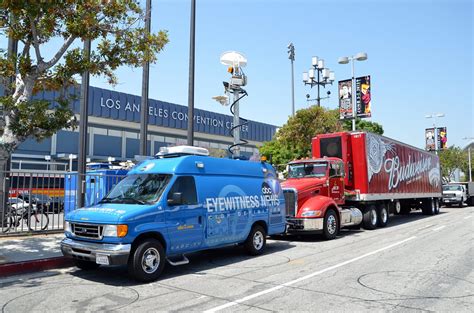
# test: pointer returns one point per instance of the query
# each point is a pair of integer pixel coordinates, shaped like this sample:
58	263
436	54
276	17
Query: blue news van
180	202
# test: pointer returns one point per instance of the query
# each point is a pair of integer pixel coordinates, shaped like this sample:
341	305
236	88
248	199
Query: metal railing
37	201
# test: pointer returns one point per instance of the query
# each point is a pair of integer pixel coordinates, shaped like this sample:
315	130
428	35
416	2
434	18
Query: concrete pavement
31	253
418	263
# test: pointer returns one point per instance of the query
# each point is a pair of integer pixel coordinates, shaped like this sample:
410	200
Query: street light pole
313	76
145	88
435	129
361	56
291	56
192	35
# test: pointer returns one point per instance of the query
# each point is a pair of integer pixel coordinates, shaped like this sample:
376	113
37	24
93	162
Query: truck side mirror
176	199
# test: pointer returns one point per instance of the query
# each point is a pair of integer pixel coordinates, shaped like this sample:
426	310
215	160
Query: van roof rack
177	151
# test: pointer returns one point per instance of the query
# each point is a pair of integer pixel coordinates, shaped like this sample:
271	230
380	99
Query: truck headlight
115	230
67	226
311	214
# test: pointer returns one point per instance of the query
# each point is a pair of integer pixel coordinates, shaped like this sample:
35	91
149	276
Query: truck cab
314	193
180	202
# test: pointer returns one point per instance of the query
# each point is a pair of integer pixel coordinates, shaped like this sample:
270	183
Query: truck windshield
307	169
138	189
452	188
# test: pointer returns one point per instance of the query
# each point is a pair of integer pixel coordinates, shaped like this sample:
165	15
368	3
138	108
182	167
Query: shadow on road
199	262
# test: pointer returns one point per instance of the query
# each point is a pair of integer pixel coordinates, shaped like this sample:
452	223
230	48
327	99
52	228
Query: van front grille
87	230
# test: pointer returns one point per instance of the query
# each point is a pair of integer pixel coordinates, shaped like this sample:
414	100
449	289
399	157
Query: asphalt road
417	263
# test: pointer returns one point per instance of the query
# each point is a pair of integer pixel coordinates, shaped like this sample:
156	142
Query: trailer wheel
370	217
331	225
397	207
147	261
429	207
437	206
256	241
382	215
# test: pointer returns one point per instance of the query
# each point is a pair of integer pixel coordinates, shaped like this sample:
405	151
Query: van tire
256	241
370	218
147	261
85	265
331	225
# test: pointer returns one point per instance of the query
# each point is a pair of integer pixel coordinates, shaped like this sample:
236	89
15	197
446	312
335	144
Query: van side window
187	187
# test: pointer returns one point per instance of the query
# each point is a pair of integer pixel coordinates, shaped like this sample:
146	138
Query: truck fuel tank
350	216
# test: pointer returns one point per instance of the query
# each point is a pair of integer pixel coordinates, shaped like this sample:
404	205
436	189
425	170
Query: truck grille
87	230
291	201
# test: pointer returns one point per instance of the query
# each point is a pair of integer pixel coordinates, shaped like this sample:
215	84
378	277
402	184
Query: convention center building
114	127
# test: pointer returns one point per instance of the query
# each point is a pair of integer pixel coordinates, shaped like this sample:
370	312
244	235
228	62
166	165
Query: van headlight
115	230
67	227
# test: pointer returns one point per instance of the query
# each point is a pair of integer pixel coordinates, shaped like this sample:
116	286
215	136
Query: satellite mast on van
235	62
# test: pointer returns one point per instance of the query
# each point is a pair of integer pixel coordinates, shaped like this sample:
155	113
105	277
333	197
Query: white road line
439	228
424	227
263	292
468	217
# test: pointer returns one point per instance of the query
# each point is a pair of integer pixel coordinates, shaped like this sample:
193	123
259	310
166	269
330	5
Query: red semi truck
359	179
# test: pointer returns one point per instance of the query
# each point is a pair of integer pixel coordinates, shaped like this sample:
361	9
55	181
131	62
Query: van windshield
307	169
138	189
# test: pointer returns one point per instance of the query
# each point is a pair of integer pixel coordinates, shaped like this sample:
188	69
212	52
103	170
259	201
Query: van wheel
85	265
382	215
331	225
256	241
147	261
370	217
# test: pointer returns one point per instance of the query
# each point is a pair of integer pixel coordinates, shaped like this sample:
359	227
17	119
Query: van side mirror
176	199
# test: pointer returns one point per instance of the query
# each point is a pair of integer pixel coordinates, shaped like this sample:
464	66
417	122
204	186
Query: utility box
98	184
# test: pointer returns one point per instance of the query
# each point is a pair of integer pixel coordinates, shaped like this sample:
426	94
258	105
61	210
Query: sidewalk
31	253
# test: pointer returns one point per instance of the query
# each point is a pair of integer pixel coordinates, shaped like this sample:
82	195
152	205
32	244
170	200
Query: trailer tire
256	241
429	207
437	206
147	261
331	225
382	215
397	207
370	217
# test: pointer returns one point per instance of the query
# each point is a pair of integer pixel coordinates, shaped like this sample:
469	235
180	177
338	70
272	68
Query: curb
16	268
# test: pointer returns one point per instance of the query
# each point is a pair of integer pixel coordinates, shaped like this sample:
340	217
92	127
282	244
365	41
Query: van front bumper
295	225
116	254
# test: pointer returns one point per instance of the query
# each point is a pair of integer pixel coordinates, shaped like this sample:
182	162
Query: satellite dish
233	58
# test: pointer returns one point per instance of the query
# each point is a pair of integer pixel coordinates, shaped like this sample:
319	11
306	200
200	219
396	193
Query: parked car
454	194
57	204
42	201
19	204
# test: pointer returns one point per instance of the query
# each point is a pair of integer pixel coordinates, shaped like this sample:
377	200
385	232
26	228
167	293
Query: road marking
468	217
263	292
439	228
424	227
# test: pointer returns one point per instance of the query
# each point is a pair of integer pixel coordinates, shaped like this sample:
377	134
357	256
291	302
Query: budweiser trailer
359	178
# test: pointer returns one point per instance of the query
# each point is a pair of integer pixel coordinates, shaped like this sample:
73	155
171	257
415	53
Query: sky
419	58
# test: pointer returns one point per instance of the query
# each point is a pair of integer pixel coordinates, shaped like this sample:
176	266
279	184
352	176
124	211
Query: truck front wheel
147	261
331	225
370	217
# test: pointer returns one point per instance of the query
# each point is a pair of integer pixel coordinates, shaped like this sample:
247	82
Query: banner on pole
442	138
363	97
429	139
345	99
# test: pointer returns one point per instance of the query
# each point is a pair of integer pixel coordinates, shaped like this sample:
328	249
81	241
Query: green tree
361	124
293	140
452	159
119	38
